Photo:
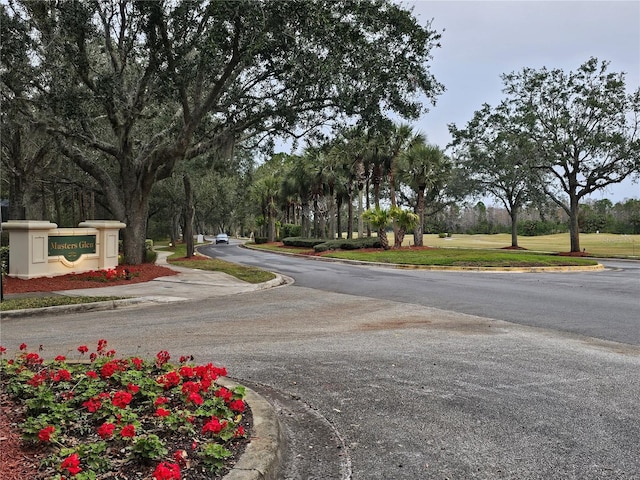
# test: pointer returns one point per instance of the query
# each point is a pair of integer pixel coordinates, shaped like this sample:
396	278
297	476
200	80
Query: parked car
222	238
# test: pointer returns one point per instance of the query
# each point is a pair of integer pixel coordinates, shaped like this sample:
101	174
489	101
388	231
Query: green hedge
348	244
302	242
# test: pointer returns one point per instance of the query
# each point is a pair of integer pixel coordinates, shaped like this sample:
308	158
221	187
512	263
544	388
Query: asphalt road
373	389
604	305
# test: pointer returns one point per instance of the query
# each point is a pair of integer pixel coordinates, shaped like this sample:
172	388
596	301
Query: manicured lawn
247	274
462	258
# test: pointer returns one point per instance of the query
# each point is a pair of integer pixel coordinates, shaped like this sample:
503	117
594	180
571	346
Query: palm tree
421	167
405	220
379	219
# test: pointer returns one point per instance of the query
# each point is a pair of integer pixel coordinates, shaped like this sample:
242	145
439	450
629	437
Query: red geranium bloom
196	398
93	405
167	471
72	464
60	358
83	349
162	357
137	362
92	374
237	406
102	344
161	401
122	399
224	393
128	431
187	372
106	430
23	346
133	388
161	412
45	434
2	349
37	379
214	426
240	431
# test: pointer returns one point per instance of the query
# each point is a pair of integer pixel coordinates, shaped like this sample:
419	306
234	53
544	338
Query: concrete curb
262	457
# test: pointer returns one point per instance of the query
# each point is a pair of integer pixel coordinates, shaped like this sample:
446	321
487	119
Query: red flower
60	358
2	349
93	356
72	464
33	359
83	349
137	362
106	430
240	431
93	405
133	388
37	379
167	471
45	434
23	346
92	374
102	344
224	393
186	372
162	357
60	375
237	406
122	399
196	398
189	387
161	412
128	431
214	426
161	401
169	380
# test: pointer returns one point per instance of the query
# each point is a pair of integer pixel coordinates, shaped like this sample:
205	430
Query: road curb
262	457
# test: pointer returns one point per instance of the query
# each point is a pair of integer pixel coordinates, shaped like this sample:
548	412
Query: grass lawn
247	274
596	244
463	258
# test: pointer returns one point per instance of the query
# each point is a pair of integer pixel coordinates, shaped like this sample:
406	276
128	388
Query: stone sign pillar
40	249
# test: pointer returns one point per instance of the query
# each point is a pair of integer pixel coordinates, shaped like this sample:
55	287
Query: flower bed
138	273
104	417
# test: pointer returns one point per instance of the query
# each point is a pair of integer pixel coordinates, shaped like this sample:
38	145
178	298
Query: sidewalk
189	284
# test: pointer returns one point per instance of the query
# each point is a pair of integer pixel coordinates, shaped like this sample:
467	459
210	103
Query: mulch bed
141	273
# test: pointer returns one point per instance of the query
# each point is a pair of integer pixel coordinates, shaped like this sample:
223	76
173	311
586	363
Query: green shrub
290	230
4	259
260	240
150	256
442	235
302	242
348	244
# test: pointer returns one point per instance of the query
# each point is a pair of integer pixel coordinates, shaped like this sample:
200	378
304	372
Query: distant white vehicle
222	238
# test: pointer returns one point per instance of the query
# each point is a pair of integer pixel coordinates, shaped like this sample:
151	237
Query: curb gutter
262	457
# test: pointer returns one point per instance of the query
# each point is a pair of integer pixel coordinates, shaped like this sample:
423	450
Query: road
603	305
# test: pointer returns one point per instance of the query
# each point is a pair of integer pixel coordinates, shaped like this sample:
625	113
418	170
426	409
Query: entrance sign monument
41	249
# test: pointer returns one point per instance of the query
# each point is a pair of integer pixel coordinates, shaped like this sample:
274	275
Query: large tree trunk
574	228
188	213
135	233
513	213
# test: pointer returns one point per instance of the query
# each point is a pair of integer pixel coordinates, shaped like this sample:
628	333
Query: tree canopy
128	89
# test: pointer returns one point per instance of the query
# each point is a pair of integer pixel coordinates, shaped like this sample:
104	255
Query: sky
481	40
